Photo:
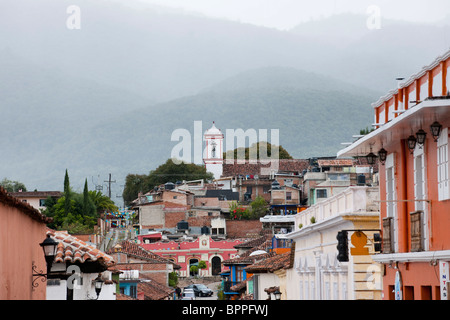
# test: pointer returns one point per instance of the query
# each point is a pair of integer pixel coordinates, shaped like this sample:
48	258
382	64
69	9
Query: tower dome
213	130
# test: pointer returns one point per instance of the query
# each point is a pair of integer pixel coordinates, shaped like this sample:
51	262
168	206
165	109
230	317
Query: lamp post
49	246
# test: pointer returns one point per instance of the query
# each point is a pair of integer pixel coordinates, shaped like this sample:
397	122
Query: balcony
353	200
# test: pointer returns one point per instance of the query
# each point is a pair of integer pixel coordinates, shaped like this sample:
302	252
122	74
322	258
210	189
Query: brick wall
243	228
172	218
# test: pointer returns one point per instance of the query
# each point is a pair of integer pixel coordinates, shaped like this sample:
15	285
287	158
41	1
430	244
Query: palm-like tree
102	202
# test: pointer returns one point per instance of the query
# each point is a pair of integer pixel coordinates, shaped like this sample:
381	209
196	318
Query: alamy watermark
373	22
191	149
73	21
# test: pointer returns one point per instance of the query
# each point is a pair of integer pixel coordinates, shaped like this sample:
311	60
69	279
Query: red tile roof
248	259
240	285
284	165
133	249
271	264
153	290
8	200
336	162
254	243
276	262
36	194
73	250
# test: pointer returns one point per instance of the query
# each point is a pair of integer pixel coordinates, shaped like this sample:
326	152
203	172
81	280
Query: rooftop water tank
169	186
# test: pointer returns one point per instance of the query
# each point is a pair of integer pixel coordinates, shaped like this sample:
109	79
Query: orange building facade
414	183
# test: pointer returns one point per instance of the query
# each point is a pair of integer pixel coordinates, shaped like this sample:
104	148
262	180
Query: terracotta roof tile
271	264
153	290
240	285
284	165
248	259
37	194
136	250
253	243
70	249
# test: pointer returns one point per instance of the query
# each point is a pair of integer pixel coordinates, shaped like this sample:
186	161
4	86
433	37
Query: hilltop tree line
254	149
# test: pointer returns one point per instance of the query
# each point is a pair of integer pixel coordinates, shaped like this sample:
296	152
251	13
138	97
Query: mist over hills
106	98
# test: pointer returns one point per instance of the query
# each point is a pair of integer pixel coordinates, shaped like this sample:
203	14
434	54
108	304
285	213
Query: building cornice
424	256
333	222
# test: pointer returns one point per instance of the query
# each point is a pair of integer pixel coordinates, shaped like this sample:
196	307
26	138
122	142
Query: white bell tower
213	153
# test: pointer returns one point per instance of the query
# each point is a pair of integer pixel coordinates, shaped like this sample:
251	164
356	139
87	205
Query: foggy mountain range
106	98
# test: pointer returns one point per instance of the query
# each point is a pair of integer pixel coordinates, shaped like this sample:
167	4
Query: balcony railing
352	200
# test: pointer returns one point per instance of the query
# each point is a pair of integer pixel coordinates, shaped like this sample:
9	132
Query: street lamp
49	246
382	154
436	130
98	283
421	136
277	294
371	158
411	143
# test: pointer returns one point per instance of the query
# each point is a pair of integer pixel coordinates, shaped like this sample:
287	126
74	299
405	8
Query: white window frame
443	166
391	196
420	190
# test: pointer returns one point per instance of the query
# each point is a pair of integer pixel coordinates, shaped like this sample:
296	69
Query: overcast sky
285	14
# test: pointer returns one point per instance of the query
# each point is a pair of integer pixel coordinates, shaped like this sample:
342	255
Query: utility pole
109	181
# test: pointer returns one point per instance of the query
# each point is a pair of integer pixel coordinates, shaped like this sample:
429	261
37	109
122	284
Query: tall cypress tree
85	198
67	195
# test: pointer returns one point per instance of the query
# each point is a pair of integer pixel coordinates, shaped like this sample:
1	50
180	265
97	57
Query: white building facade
317	274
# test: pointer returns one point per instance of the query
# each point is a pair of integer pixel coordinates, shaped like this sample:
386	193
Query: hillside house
36	199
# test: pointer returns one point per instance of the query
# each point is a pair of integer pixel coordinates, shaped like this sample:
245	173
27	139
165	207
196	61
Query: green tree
173	279
259	208
102	203
88	204
12	186
167	172
77	212
134	183
255	148
67	193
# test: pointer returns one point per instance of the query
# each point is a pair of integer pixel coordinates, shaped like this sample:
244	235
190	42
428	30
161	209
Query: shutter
416	231
387	235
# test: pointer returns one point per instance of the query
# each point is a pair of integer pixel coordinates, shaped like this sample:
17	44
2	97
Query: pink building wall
21	230
204	248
